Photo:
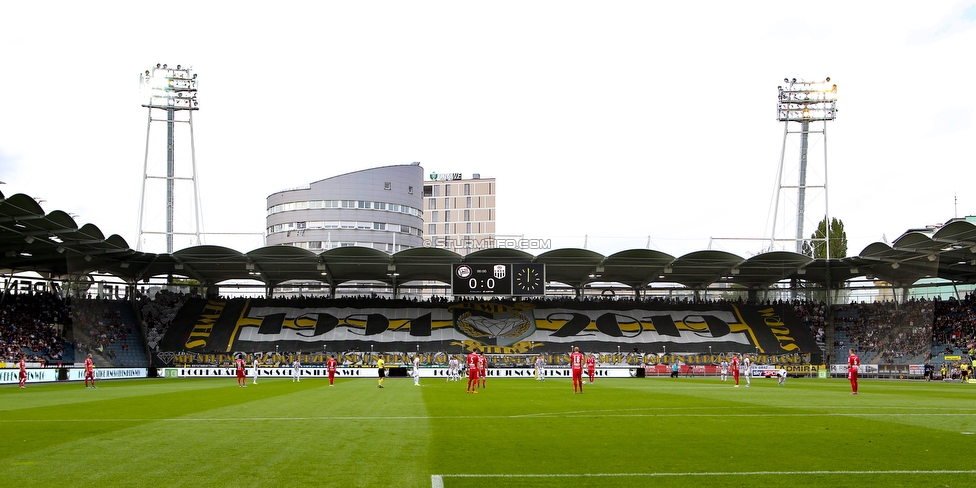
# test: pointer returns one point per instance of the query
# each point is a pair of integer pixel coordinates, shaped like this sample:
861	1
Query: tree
816	247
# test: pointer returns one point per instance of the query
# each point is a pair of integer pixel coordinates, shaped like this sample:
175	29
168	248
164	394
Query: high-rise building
459	213
379	208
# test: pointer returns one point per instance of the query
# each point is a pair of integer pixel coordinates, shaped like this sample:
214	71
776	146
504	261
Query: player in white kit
747	369
453	370
540	368
724	369
416	370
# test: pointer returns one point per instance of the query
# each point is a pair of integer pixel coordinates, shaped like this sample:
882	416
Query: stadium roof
54	246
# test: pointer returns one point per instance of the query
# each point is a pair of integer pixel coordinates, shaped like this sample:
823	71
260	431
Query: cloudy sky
633	123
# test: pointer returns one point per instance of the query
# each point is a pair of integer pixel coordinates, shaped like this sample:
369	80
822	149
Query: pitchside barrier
757	370
863	371
12	376
395	371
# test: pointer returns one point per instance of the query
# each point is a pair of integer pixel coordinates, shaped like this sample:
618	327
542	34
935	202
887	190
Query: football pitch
516	432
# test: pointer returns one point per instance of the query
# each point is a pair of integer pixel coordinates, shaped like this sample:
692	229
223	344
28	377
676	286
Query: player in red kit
483	369
331	365
852	363
89	371
591	366
472	362
23	370
735	368
576	362
241	378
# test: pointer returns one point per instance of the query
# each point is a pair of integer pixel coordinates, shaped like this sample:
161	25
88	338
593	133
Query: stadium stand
50	329
33	324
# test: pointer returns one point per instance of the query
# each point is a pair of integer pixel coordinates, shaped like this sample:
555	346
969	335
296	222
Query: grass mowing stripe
578	414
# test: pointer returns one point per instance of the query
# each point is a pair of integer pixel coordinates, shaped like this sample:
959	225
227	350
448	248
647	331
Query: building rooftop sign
445	176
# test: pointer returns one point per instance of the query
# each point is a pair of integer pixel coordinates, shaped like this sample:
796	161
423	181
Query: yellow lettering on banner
493	307
779	330
517	348
204	326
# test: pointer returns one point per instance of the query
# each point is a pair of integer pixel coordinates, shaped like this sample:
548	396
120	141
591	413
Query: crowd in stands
32	324
98	324
890	330
955	323
159	311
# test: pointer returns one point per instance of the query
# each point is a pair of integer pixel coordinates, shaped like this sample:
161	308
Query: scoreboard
500	279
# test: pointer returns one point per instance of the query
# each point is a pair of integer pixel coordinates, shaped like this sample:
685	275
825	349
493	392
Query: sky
607	125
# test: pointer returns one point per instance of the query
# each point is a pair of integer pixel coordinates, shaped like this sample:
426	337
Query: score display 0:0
479	279
489	284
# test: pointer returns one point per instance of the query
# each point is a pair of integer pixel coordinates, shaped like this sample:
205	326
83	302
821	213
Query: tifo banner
258	325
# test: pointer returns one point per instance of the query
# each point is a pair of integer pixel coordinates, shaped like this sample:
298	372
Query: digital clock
481	279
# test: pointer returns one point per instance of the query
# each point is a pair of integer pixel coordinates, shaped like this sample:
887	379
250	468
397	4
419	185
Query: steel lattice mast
811	105
174	91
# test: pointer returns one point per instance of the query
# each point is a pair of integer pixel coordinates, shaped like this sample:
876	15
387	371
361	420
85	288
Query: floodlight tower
811	105
174	91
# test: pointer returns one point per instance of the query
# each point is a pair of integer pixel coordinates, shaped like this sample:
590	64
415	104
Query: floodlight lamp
895	265
828	79
972	249
59	249
88	258
801	271
932	257
179	67
786	80
29	239
125	264
164	67
853	270
157	65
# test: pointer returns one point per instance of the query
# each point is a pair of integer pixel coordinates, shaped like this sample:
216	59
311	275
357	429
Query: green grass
517	432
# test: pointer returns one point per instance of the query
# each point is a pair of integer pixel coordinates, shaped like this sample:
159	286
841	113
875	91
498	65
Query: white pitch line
440	477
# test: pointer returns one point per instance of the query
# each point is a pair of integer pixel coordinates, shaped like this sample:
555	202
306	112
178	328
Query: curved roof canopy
53	245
